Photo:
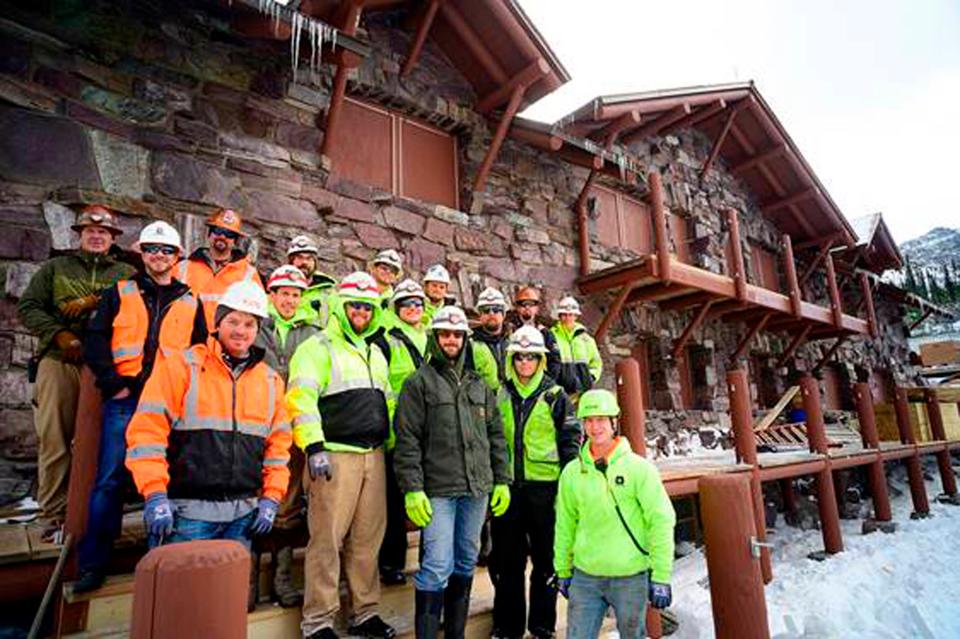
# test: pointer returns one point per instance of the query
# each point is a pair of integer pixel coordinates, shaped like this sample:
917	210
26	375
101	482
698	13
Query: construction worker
404	344
338	402
303	253
211	269
209	444
489	341
580	363
526	312
280	335
542	436
436	283
137	321
613	542
450	457
55	307
386	268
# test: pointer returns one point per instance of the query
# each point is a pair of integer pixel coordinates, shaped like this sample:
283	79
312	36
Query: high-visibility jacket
315	302
538	423
203	432
487	356
280	339
339	386
429	310
132	323
590	534
580	362
406	349
197	272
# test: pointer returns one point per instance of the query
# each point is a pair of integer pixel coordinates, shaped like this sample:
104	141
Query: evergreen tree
949	287
910	279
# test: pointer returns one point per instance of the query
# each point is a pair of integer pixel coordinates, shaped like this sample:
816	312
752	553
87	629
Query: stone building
396	128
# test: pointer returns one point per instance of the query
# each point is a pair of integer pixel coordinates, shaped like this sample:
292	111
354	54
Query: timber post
868	431
918	490
816	434
937	430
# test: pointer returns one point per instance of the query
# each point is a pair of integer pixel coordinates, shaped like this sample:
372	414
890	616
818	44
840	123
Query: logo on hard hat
97	217
229	217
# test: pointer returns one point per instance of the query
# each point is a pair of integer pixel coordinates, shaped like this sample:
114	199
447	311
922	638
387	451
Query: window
390	151
622	221
765	271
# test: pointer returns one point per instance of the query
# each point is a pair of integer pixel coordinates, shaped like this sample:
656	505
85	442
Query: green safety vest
541	457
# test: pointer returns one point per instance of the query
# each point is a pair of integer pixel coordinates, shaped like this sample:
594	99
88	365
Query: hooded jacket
199	273
315	301
280	339
580	362
488	355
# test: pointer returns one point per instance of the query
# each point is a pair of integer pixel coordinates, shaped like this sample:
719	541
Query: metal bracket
756	545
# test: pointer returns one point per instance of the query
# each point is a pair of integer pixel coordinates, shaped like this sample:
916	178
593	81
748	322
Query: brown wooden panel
728	256
641	353
362	148
686	380
832	393
608	218
766	270
428	164
636	226
678	230
880	386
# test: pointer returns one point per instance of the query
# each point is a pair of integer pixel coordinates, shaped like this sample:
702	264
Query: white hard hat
245	296
567	305
450	318
287	275
160	232
407	288
389	257
359	287
526	339
302	244
437	273
491	297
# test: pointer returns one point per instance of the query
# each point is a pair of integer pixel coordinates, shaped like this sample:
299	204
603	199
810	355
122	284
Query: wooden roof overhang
746	135
875	249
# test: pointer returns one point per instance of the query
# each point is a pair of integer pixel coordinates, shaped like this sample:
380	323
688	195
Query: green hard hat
598	403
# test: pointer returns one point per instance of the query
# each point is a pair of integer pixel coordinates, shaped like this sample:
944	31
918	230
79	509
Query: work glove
500	500
660	595
266	513
74	308
561	585
158	515
318	462
70	345
418	508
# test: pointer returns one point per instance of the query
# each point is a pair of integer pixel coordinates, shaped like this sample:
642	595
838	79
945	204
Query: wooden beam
745	342
772	206
688	301
926	313
739	271
473	43
657	292
835	301
822	253
798	340
539	139
614	310
607	135
498	136
666	119
661	241
771	415
610	111
583	228
336	105
681	341
867	293
774	151
818	242
522	80
423	28
702	114
721	138
830	353
790	269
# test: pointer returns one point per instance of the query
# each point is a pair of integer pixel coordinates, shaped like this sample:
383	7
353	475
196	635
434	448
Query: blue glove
563	586
266	513
318	463
660	595
158	515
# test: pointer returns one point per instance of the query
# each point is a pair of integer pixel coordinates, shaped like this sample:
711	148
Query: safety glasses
360	306
492	310
411	303
226	233
526	357
528	303
162	249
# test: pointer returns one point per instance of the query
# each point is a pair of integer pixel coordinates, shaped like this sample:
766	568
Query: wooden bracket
745	342
829	354
798	340
721	138
473	43
790	269
687	333
774	151
529	75
926	313
614	310
822	253
498	135
867	293
423	28
652	128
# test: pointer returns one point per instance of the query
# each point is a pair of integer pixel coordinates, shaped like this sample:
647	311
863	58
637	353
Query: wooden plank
774	412
14	543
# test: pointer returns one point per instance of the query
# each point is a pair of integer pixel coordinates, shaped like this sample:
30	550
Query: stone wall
165	113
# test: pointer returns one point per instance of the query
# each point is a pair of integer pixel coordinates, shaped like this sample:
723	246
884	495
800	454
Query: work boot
456	605
325	633
88	581
427	620
373	628
392	577
284	590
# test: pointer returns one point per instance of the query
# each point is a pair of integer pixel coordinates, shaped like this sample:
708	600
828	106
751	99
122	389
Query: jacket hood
440	360
622	448
339	312
561	330
525	390
320	280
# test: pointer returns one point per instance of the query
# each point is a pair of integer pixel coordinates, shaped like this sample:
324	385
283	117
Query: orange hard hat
226	219
527	293
97	215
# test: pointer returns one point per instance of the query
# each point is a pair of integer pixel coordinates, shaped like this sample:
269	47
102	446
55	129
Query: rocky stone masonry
165	113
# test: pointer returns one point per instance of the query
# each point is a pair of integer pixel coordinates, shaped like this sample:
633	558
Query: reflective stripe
303	382
221	424
274	462
127	287
152	408
339	385
211	297
306	419
130	351
147	450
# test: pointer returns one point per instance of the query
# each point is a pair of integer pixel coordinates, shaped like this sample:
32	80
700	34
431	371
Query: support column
746	443
816	434
789	496
660	239
918	490
84	462
868	431
939	433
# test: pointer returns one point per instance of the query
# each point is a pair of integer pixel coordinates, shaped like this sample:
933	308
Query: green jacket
315	301
590	536
407	348
338	390
449	434
59	280
280	338
580	362
489	353
538	420
429	310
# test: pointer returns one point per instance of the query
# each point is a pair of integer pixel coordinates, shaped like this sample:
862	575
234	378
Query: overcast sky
868	90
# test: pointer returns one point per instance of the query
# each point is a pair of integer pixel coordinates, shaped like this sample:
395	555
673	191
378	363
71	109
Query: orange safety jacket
200	432
131	324
197	273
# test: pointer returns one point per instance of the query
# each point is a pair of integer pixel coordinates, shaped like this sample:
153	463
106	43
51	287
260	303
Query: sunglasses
492	310
226	233
528	304
526	357
414	303
361	306
162	249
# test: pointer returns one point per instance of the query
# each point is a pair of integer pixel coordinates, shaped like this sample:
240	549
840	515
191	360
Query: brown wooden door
428	164
641	353
832	390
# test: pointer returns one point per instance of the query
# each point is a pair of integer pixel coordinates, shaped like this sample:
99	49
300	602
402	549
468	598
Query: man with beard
489	341
526	312
303	253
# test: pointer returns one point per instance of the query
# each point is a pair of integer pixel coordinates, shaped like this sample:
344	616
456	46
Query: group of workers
245	413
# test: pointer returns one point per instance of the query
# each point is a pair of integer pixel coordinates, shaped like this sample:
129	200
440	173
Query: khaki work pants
347	518
55	412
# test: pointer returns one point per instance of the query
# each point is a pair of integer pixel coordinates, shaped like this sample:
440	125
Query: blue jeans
451	541
106	501
192	529
590	596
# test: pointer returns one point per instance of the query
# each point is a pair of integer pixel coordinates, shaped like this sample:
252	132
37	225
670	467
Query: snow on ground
905	584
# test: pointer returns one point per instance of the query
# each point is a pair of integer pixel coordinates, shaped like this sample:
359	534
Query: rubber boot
456	605
284	590
427	617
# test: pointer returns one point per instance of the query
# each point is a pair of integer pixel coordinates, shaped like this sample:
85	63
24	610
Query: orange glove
70	345
76	307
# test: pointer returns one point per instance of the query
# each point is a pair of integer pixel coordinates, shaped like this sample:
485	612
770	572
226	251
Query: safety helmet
97	215
391	258
527	293
437	273
287	275
245	296
526	339
568	305
407	288
491	297
450	318
160	232
302	244
359	287
226	219
598	402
